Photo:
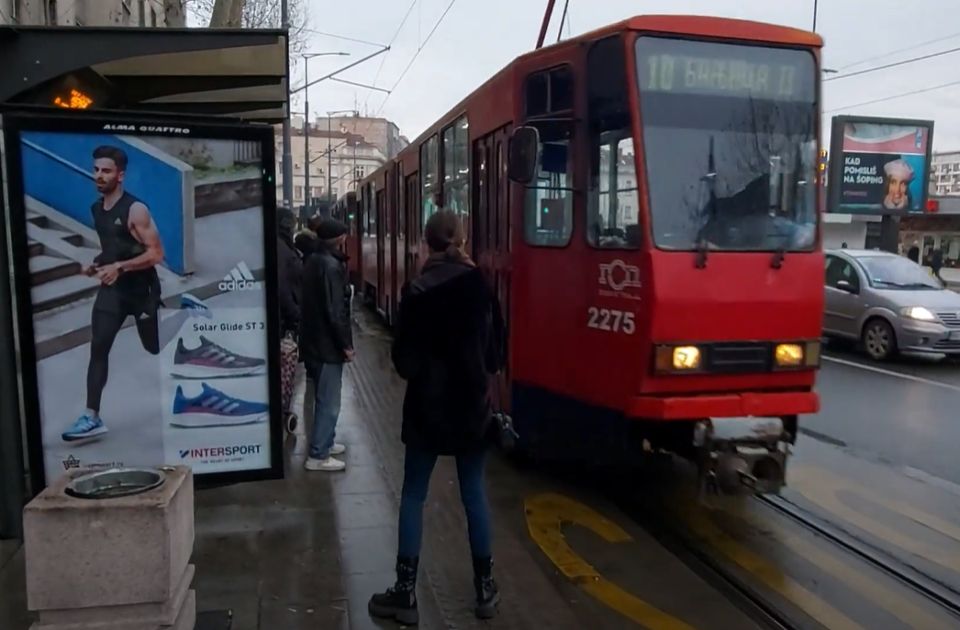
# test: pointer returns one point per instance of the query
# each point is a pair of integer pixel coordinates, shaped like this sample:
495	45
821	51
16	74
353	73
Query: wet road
904	413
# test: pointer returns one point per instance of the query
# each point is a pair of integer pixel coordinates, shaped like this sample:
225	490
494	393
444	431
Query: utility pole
814	16
330	150
306	120
287	158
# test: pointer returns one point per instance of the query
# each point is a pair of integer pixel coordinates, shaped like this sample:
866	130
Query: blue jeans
327	379
417	468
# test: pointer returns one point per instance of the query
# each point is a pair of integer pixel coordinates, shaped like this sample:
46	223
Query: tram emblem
619	276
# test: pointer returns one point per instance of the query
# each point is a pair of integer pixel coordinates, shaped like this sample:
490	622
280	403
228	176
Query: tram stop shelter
237	73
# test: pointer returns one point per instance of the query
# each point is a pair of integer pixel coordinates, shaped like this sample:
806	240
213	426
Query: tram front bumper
762	404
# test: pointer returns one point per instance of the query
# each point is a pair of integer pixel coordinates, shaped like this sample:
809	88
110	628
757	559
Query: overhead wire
344	37
895	96
416	54
393	39
898	51
893	65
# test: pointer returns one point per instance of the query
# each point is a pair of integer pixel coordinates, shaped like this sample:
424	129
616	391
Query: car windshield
895	272
730	139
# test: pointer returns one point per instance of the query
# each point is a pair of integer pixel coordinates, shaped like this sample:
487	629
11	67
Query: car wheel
879	339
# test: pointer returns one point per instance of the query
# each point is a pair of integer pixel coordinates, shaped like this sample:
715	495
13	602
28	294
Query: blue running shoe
195	305
213	408
84	427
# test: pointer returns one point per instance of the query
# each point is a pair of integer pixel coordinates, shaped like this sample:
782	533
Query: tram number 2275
611	321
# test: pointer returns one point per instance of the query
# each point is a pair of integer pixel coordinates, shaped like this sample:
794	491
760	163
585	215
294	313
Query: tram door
381	251
411	212
395	232
491	229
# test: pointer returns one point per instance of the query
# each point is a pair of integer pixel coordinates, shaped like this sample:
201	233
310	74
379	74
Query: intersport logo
240	278
213	452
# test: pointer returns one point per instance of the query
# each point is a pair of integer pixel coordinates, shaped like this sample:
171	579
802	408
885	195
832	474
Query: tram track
746	597
931	589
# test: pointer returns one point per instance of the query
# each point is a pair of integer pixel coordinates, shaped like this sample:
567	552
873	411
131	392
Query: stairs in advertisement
57	257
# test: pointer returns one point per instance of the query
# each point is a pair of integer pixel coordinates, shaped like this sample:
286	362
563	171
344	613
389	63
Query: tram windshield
729	133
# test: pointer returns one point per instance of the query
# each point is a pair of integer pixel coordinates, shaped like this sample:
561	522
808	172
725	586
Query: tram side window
430	178
548	204
371	211
613	216
456	168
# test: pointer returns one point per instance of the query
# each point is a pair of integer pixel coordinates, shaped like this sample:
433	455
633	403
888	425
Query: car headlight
920	313
679	358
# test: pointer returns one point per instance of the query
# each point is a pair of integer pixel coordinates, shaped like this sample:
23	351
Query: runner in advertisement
884	168
149	309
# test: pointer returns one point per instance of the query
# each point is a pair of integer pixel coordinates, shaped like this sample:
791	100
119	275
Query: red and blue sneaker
213	408
210	360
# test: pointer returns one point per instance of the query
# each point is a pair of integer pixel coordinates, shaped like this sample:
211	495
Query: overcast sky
478	37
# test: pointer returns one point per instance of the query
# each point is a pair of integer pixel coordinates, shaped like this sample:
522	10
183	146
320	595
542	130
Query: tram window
549	91
613	202
548	204
371	211
538	94
561	89
429	180
456	168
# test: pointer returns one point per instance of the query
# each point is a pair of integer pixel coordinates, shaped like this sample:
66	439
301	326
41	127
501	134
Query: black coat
290	279
448	342
325	331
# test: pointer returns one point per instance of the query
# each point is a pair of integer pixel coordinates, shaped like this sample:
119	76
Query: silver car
890	303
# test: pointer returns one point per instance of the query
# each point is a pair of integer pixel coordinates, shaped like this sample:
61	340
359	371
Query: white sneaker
338	449
325	465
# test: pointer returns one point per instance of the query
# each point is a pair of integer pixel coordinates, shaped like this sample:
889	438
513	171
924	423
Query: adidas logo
240	278
117	221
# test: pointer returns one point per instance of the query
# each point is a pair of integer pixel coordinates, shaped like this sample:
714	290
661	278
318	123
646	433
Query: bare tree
253	14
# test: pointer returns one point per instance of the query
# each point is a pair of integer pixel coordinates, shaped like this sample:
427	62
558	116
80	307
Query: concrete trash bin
110	549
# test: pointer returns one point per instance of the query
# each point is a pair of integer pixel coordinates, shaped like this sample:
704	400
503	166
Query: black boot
487	594
400	600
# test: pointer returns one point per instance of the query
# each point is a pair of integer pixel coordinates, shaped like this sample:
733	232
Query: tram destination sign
713	69
879	165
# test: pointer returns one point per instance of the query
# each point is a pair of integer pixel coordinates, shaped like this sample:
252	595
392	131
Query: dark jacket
448	341
936	260
290	279
325	331
305	243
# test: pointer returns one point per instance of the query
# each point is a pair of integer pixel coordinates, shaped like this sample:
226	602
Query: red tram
644	201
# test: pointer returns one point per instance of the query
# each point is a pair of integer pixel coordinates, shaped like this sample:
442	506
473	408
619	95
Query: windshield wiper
709	209
778	257
907	285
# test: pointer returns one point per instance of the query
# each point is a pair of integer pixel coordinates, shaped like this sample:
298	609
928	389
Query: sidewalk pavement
306	552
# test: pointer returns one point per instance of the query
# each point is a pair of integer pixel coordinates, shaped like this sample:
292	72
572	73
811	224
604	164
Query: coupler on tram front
739	441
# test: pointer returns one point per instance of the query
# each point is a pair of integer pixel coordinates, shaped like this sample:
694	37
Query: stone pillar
112	564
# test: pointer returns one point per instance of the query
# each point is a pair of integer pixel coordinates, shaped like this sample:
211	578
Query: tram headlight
679	358
788	355
797	355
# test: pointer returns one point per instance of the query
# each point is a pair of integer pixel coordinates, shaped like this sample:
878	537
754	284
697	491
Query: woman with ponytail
447	345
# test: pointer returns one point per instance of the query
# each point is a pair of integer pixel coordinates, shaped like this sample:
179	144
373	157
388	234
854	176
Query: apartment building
337	161
143	13
945	174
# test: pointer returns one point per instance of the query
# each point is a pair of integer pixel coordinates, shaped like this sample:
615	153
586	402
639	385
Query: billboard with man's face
879	166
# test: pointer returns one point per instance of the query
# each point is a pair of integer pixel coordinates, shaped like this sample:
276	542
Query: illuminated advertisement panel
144	257
879	165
